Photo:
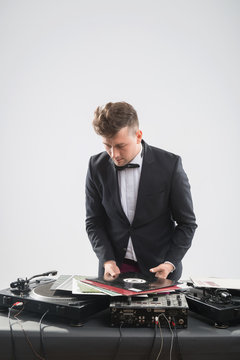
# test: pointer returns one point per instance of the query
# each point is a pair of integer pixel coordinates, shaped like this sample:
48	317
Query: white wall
176	62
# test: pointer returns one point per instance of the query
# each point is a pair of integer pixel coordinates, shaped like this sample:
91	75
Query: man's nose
114	153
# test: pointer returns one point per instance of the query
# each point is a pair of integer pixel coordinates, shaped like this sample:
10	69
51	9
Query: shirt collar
138	158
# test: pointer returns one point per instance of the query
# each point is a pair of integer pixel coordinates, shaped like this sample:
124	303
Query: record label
134	281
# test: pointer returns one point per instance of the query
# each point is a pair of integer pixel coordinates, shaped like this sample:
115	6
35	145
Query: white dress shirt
128	180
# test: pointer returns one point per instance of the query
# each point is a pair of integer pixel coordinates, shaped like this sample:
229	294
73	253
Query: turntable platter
44	293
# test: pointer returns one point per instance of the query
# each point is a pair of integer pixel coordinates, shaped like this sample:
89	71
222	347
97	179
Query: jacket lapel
146	175
114	190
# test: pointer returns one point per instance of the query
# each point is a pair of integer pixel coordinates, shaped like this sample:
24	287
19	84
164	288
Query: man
139	213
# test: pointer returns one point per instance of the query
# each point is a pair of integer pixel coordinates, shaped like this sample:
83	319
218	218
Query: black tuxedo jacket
164	221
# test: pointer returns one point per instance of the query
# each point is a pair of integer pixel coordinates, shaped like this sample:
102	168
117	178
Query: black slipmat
77	308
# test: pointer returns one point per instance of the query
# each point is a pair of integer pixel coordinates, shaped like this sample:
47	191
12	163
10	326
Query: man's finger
154	270
108	277
160	275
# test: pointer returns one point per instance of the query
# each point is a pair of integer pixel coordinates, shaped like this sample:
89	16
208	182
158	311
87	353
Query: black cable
12	337
38	356
35	353
172	335
41	336
161	337
153	342
119	342
177	341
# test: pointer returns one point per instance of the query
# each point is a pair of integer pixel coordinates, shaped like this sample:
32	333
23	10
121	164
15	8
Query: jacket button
124	249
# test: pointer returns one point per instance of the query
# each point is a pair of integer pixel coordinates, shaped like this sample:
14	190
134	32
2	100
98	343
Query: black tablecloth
96	340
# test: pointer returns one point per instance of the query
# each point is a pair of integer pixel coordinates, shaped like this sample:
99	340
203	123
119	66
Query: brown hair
112	117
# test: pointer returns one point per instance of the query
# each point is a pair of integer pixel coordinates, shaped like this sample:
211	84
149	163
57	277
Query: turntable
37	296
221	306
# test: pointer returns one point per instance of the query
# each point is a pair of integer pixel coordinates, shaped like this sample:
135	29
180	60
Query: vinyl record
128	283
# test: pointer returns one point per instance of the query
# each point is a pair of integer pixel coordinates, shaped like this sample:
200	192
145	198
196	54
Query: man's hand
111	270
162	270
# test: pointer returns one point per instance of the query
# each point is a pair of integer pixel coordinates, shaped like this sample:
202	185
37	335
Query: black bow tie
127	166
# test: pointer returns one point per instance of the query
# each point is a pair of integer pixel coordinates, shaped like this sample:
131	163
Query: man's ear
139	136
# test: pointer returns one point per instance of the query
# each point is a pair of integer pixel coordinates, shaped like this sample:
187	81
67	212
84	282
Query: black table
96	340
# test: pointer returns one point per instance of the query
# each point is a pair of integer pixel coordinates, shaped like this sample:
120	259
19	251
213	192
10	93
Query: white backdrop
176	62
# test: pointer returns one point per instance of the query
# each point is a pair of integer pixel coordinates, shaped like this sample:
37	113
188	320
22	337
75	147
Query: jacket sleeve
96	220
182	213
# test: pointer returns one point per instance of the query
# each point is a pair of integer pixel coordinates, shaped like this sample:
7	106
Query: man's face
124	146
